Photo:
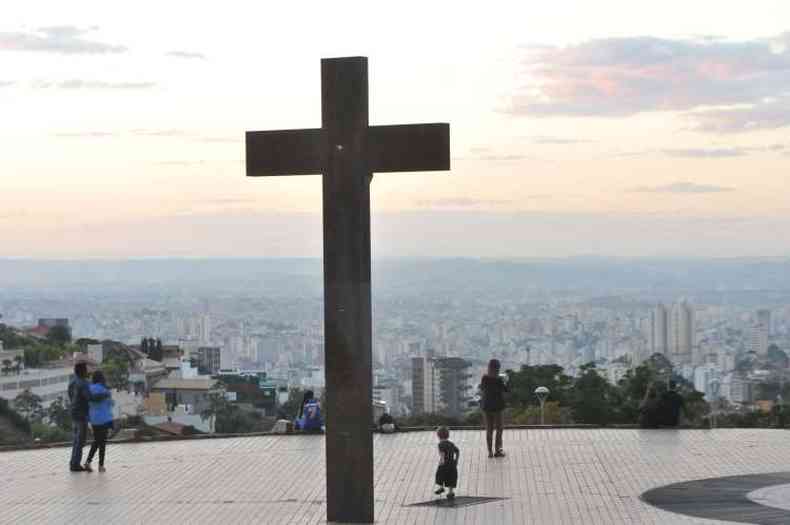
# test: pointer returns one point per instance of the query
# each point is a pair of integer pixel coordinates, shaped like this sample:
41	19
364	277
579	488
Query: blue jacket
100	411
80	396
311	418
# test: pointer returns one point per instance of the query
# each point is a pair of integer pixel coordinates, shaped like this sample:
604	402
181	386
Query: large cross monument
347	151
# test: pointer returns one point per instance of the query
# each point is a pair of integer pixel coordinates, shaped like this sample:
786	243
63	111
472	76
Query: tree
39	354
58	414
116	371
59	335
778	357
6	367
228	417
590	401
29	406
18	364
524	382
154	349
553	414
291	407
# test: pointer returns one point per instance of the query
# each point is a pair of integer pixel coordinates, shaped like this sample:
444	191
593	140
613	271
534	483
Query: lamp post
542	393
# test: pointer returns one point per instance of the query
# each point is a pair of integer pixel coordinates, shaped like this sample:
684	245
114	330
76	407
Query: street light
542	393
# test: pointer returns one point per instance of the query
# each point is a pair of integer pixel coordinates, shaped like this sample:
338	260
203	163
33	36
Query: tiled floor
550	476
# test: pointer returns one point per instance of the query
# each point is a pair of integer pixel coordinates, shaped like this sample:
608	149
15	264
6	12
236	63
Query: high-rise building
205	329
764	318
758	339
422	385
440	385
682	333
209	359
659	330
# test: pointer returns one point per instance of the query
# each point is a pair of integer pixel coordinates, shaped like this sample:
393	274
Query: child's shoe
438	491
87	467
451	496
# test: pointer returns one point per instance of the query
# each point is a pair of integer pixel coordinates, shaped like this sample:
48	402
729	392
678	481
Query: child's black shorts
447	476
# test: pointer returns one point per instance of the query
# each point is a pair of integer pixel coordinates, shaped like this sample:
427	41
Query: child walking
447	472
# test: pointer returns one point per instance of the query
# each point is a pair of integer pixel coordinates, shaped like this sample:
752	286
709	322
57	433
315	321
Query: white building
48	384
758	339
390	395
703	377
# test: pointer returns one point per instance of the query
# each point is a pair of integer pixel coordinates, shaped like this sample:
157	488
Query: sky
577	128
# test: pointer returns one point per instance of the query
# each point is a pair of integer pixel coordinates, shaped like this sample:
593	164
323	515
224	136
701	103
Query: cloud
761	116
12	214
7	83
159	132
222	201
461	203
86	134
56	39
620	77
504	157
486	153
557	140
179	163
683	188
220	140
703	153
76	84
187	55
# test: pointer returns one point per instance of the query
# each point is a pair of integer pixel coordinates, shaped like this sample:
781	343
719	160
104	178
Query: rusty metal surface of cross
347	151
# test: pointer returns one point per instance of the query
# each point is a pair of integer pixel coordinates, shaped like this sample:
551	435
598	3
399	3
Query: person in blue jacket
309	419
100	418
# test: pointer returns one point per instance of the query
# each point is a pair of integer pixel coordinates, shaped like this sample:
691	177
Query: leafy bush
49	434
14	417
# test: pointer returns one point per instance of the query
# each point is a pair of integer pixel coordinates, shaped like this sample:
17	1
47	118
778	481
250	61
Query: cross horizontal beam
284	152
409	147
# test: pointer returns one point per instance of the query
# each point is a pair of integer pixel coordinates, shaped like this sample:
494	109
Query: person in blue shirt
100	418
309	419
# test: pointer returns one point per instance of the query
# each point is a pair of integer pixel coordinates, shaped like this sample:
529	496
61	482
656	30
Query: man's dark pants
80	434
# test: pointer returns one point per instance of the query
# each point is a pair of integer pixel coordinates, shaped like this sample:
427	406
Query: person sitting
387	423
650	409
309	419
672	404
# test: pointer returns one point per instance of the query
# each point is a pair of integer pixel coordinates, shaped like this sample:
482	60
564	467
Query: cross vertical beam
347	293
347	151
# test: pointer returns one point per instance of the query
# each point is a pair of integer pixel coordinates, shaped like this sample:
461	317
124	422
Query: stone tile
550	476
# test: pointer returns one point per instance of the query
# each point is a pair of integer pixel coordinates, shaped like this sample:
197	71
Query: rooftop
184	384
550	476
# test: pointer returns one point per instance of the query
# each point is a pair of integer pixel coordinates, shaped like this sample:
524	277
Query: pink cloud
627	76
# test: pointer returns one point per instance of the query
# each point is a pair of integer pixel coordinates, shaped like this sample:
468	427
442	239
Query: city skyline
654	132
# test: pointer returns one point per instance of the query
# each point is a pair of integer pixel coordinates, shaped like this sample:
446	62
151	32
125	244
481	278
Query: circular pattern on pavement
754	498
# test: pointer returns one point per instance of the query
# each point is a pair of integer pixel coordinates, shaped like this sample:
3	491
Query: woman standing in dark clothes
493	388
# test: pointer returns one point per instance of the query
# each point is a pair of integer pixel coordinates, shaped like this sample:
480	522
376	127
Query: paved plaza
593	476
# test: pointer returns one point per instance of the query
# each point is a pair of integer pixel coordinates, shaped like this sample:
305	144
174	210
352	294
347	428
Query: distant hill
393	275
